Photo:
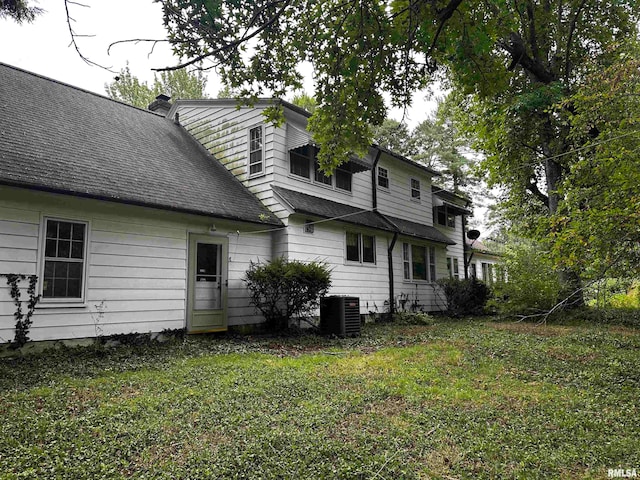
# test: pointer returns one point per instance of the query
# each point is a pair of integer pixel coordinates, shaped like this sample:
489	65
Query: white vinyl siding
396	200
136	265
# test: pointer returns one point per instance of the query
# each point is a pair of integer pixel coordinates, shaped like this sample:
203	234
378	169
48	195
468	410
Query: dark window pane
60	269
343	180
48	270
50	248
321	177
419	259
77	249
75	270
207	260
60	287
442	216
52	229
78	231
368	249
64	248
73	288
47	287
353	251
299	165
65	230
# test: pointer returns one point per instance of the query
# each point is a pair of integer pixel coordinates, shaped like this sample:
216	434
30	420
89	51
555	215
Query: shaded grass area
467	399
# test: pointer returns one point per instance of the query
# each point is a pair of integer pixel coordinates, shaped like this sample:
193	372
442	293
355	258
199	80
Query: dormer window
256	151
321	177
301	160
343	179
445	218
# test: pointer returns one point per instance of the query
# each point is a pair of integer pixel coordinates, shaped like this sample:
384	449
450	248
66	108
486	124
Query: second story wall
408	191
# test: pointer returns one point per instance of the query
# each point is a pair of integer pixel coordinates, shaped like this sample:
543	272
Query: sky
43	47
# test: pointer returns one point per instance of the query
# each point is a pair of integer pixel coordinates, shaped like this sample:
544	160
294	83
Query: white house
136	221
128	223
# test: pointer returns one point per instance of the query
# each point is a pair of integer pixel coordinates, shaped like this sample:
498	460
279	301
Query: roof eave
136	203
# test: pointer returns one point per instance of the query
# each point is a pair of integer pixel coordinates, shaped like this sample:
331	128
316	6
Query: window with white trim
65	246
453	267
361	248
383	177
300	161
487	273
303	158
415	189
256	151
419	262
321	177
343	179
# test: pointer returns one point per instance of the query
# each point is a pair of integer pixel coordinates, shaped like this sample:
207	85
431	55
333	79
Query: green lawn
466	399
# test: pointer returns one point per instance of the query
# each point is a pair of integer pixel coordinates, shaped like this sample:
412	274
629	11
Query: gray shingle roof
419	230
304	203
59	138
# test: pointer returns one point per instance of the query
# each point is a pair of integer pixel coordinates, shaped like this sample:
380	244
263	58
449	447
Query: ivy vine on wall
23	320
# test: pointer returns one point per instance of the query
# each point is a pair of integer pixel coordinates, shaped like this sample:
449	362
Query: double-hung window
419	262
361	248
383	177
256	151
415	189
321	177
343	179
453	267
65	247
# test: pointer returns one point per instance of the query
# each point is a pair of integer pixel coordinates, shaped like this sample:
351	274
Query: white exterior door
207	287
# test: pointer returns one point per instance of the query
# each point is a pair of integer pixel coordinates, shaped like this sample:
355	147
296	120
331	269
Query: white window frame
361	260
260	128
412	189
407	262
383	173
453	267
62	301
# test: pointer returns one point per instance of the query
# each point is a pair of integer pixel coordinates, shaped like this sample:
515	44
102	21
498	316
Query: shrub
283	289
532	285
412	318
464	297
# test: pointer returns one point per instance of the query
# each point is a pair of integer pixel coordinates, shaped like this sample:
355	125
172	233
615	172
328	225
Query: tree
18	10
510	62
438	142
306	101
597	227
395	136
177	84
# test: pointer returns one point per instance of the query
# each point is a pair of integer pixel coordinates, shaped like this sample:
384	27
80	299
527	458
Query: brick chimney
161	104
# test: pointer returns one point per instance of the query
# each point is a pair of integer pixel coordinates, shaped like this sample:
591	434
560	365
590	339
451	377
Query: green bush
464	297
532	284
283	289
413	318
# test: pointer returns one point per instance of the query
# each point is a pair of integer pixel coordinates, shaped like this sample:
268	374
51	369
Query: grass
468	399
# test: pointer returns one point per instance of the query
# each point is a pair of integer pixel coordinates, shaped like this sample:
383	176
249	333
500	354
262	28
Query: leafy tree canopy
359	49
177	84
